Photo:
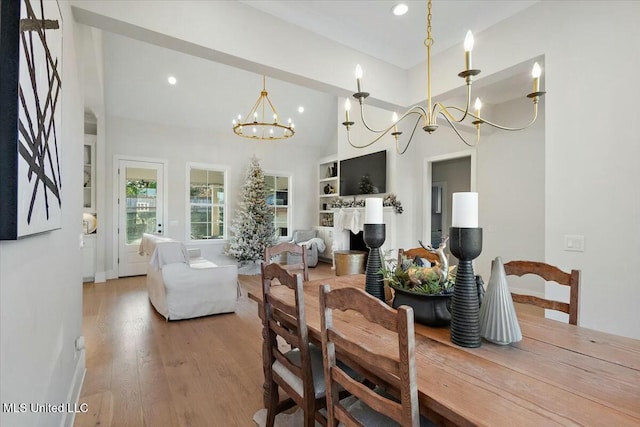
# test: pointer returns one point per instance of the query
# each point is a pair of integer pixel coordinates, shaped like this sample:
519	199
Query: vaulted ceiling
209	94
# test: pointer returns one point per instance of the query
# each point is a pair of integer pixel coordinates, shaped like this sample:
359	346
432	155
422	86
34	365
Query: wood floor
144	371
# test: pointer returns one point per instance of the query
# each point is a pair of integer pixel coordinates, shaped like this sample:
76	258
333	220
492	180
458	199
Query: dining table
558	374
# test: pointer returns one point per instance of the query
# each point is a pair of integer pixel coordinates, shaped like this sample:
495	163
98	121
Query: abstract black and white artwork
30	122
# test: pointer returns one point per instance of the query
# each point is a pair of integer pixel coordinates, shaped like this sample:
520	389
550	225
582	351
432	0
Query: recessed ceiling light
301	109
400	9
172	80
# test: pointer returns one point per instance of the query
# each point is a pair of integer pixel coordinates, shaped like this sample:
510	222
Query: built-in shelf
328	178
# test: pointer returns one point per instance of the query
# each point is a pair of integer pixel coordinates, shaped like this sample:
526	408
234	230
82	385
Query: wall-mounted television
364	174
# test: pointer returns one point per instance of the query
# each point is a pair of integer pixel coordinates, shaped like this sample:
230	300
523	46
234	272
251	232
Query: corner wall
41	283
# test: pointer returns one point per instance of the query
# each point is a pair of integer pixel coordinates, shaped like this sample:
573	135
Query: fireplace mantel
351	220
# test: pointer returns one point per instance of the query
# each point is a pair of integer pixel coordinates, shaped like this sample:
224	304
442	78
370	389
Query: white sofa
182	285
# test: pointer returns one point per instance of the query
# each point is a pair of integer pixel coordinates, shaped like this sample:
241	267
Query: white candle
465	210
373	211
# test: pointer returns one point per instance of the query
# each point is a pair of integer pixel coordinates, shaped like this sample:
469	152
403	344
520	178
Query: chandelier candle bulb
347	107
468	47
394	119
465	210
535	72
478	107
373	211
358	76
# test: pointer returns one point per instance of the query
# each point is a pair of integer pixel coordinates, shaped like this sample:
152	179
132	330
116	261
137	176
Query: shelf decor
30	123
498	319
390	200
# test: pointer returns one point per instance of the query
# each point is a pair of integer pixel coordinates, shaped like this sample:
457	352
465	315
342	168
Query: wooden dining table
559	374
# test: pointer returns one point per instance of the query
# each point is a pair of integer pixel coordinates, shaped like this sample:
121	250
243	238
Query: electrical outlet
574	243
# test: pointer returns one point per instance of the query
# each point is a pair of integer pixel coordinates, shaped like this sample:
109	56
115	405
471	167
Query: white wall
41	282
181	145
510	184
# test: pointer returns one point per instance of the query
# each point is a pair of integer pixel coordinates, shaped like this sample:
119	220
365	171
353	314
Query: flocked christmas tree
252	229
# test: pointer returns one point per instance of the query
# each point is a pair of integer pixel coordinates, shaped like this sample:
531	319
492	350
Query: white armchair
314	244
182	286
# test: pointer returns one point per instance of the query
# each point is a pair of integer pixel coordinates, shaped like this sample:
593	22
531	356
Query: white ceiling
370	27
209	95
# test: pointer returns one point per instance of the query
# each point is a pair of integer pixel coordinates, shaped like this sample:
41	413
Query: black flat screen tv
364	174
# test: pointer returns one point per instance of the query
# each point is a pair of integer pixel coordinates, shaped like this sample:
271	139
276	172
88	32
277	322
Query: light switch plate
574	242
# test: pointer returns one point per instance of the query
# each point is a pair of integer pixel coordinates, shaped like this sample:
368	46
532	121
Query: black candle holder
466	245
374	236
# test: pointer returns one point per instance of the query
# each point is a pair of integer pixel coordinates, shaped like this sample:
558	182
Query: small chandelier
429	115
262	120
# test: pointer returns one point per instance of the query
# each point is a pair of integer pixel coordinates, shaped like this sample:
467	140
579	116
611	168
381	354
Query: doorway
141	209
445	175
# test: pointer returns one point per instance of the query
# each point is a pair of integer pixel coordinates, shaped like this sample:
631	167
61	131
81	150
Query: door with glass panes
140	210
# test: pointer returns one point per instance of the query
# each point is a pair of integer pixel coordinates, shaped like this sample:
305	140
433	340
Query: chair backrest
417	252
285	319
387	366
549	273
283	249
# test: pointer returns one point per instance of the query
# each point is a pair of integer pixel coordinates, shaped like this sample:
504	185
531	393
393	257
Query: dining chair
298	371
389	396
549	273
282	250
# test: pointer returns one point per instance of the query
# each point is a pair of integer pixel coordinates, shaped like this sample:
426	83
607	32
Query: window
207	202
278	198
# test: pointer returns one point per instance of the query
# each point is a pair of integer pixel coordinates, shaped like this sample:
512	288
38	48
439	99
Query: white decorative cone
498	320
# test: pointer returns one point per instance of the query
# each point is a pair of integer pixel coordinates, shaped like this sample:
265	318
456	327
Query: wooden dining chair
284	248
299	371
390	367
549	273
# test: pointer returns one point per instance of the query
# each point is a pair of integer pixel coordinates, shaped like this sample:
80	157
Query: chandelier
262	120
429	116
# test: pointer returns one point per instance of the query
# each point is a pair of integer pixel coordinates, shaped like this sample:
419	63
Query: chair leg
309	418
272	409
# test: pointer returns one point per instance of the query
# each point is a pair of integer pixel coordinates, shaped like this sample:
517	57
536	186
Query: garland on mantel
389	200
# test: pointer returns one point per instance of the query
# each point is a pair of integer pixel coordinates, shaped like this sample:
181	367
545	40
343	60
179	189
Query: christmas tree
252	229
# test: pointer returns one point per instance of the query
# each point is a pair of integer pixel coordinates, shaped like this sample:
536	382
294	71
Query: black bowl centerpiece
422	287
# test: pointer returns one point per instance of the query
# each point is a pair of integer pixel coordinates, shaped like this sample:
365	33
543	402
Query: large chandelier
262	121
429	115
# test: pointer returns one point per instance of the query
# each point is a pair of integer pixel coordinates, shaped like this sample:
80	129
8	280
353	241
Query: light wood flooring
145	371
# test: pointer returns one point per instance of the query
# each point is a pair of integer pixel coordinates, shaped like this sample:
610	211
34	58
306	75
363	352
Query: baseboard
73	396
100	277
111	274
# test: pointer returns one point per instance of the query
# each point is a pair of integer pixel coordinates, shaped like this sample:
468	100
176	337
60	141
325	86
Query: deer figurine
442	266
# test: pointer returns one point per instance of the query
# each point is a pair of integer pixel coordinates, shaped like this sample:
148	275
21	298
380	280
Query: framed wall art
30	117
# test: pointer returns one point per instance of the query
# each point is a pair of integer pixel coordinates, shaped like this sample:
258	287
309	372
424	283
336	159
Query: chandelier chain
429	39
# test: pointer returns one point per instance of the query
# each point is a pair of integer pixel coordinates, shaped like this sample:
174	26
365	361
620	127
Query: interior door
140	210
